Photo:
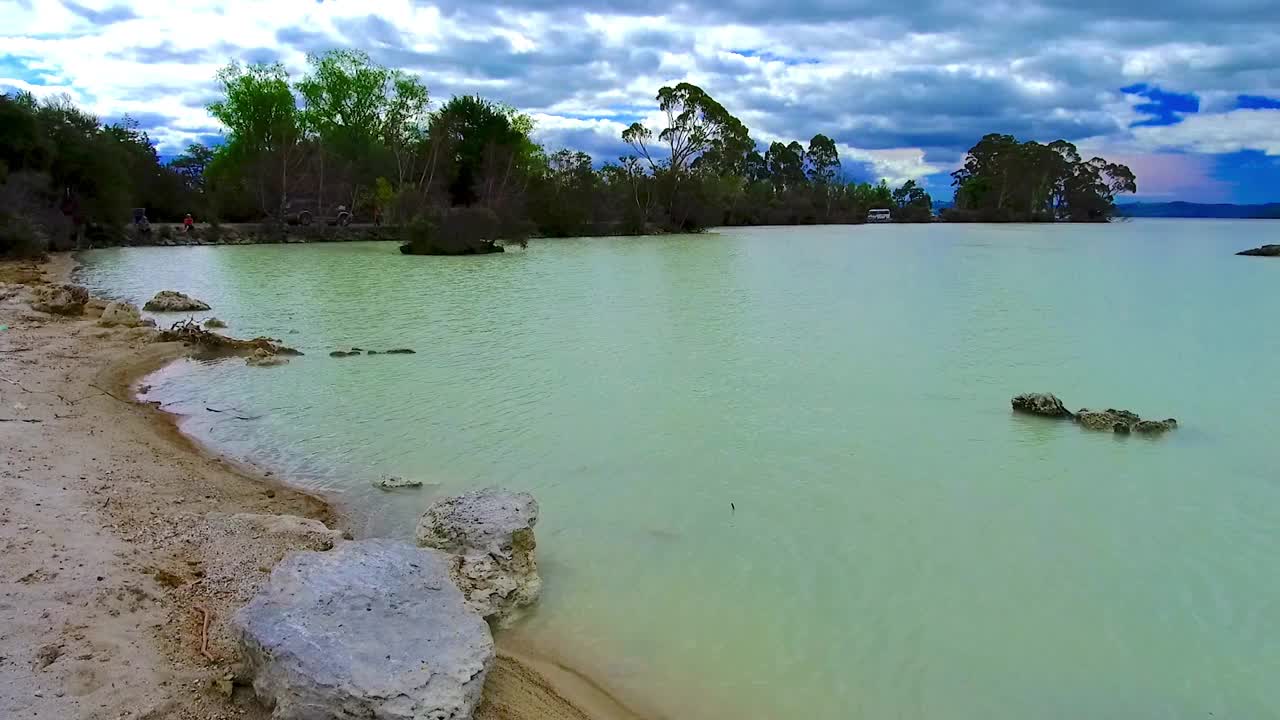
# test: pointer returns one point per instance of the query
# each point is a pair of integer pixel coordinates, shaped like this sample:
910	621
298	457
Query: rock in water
173	301
120	313
344	353
491	532
1264	251
1121	421
60	299
392	482
400	351
370	629
213	323
265	358
1155	426
1045	404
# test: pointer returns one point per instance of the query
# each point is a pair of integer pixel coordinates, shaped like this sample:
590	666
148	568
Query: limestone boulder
370	629
1045	404
60	299
120	314
173	301
490	533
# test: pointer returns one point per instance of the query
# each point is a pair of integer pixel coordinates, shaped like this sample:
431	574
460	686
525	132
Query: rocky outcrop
120	314
1117	421
1264	251
214	323
373	629
1122	422
490	532
173	301
1045	404
60	299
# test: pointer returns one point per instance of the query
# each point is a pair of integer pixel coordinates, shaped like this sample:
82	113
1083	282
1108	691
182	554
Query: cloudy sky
1186	92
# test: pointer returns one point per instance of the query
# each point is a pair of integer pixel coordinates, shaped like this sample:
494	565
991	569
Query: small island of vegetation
354	140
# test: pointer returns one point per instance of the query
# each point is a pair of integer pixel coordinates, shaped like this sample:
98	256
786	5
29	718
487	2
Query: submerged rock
490	531
264	358
60	299
121	314
1264	251
392	482
371	629
173	301
400	351
1045	404
344	353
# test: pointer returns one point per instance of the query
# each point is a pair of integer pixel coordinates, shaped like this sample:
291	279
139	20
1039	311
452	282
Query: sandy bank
119	536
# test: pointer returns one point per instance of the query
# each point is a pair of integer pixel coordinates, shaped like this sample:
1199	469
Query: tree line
354	136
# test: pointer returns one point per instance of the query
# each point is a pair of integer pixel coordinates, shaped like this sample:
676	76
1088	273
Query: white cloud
1217	133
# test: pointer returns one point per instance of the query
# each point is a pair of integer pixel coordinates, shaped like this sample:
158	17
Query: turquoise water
902	545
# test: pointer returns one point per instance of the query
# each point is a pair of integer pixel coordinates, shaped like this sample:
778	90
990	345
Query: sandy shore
119	536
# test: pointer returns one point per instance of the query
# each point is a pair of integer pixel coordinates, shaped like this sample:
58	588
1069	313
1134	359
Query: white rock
173	301
120	313
491	531
370	629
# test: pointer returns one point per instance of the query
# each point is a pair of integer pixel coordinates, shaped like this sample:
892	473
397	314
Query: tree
822	160
696	124
1003	179
261	115
192	164
786	165
912	202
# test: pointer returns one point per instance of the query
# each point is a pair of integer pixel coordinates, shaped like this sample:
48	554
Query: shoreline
120	534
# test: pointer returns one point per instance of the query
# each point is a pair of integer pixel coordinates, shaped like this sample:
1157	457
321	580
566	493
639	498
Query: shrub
460	231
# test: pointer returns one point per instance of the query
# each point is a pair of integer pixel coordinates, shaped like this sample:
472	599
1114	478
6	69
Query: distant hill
1197	210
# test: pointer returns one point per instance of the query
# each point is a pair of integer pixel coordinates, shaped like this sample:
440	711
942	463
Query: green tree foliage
1006	180
263	122
912	203
65	178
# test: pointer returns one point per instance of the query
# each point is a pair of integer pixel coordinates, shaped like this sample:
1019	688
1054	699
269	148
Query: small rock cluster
352	352
1118	421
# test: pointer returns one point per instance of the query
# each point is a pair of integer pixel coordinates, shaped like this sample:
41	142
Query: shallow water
902	545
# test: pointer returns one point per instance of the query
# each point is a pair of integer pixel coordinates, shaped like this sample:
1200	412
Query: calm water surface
903	546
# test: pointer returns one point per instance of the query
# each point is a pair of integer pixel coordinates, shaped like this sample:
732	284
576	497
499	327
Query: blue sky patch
1163	108
1257	102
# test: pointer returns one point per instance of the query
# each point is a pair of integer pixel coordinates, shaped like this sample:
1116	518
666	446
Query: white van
879	216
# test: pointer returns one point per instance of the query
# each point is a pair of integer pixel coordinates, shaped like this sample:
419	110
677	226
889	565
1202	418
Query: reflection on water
900	545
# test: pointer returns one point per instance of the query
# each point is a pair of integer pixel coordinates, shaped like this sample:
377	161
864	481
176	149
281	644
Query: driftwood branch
204	633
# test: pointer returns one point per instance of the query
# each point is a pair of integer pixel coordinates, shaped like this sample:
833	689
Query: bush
20	238
460	231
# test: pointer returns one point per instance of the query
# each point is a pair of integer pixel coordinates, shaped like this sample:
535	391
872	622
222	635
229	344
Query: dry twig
204	633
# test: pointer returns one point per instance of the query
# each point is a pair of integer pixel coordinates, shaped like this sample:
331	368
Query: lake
900	545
